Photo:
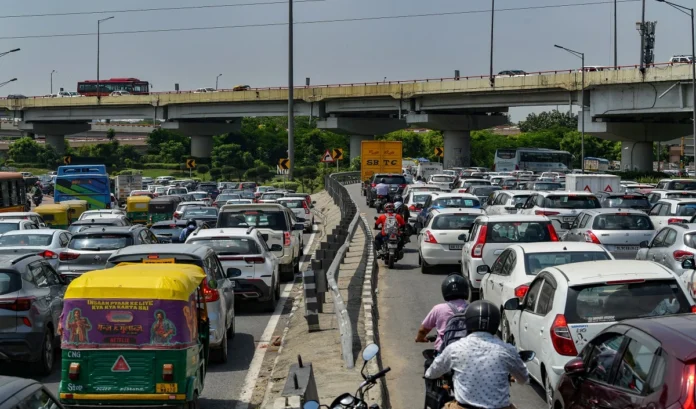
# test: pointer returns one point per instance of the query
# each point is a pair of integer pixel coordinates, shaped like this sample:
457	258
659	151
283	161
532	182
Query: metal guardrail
349	211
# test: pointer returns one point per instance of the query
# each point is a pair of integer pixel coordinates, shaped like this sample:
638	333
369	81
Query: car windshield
571	202
5	227
9	283
535	262
99	242
200	196
517	232
199	212
442	179
547	186
616	301
454	221
629	201
293	204
445	202
265	219
622	221
271	196
228	196
167	230
229	246
26	240
686	209
391	180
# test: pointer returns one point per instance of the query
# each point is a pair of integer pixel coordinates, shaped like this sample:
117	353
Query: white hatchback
568	305
440	242
667	211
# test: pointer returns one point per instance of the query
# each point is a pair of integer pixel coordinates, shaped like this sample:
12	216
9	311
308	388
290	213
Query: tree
547	120
202	169
172	151
24	150
355	163
215	173
110	134
159	136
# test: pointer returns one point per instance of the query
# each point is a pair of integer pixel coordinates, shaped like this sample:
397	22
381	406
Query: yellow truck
380	157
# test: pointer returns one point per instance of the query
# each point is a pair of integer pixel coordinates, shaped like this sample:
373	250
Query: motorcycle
380	201
393	247
37	200
356	401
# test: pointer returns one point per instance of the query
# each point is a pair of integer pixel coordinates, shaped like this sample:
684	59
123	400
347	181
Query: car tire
270	305
425	269
44	366
473	294
505	333
232	330
548	391
193	403
221	352
296	267
287	274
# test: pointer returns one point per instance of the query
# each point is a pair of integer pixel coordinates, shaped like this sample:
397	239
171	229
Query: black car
168	231
25	393
636	201
397	184
205	215
211	188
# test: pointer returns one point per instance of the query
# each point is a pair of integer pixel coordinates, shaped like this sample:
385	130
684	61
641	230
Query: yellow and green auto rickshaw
137	208
78	207
162	208
56	216
134	335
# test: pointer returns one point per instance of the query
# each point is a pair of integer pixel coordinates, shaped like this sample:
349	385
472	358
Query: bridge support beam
54	131
360	129
456	132
57	141
202	134
637	156
356	144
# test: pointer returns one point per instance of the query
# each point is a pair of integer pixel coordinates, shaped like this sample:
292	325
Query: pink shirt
438	316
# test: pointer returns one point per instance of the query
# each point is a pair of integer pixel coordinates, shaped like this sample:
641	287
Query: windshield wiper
91	248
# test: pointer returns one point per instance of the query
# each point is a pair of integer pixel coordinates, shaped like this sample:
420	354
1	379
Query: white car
246	260
204	90
454	200
16	224
490	235
203	197
517	265
560	207
47	243
668	211
298	205
656	195
175	190
445	182
119	93
508	201
181	207
415	200
164	179
568	305
239	201
31	216
89	214
423	187
464	185
440	242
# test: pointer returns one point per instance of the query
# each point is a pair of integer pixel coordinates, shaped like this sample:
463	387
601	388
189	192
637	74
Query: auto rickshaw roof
51	208
161	281
138	199
75	201
165	199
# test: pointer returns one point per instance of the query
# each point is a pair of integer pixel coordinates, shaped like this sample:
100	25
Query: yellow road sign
67	159
337	154
439	152
190	163
284	163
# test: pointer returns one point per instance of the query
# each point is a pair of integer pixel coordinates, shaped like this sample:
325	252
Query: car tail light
286	239
689	389
521	291
412	207
552	232
374	184
561	338
26	322
462	190
177	215
591	238
403	185
254	260
17	304
209	294
681	255
74	371
693	309
66	255
429	238
48	254
393	237
545	213
477	251
168	372
676	220
305	207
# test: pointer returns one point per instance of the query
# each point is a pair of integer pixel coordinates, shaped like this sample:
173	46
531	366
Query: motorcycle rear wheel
390	263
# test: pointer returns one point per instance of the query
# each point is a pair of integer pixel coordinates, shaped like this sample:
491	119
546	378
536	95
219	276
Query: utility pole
98	37
216	81
616	58
491	78
291	107
642	39
52	81
582	103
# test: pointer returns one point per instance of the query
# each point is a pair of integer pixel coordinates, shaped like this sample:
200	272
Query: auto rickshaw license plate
159	261
167	388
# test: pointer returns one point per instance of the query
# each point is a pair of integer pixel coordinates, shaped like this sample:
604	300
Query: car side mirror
688	264
527	356
574	367
276	247
565	226
462	237
512	304
483	269
643	244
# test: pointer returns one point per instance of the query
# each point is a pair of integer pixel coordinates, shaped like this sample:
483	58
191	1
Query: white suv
568	305
246	260
560	207
490	235
668	211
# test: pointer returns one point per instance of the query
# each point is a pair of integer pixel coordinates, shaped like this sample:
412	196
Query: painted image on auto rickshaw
78	327
162	330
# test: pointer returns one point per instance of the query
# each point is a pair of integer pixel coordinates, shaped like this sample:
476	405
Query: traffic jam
132	297
593	274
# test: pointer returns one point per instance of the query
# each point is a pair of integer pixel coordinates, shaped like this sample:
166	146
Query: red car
638	363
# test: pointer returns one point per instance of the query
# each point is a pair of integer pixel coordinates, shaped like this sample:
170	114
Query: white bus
533	159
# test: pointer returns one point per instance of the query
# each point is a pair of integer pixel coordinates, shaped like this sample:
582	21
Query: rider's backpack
455	328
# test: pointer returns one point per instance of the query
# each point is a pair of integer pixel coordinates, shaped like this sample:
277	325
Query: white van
427	169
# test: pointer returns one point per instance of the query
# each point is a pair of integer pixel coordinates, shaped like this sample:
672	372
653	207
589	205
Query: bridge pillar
202	134
637	156
356	144
201	146
457	149
57	141
360	129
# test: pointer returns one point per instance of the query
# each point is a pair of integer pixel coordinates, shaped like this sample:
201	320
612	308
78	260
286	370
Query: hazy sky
337	52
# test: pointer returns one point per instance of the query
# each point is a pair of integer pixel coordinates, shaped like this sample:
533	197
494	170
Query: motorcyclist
481	362
191	226
455	291
400	208
382	188
382	221
37	193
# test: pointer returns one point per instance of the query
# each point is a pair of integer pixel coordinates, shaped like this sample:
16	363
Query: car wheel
420	260
193	403
221	353
270	305
296	267
286	274
232	330
473	294
425	269
44	366
548	391
505	329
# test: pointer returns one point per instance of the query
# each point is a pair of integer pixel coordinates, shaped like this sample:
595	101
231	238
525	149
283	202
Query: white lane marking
260	353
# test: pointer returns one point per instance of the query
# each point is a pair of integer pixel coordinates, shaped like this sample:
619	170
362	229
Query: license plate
167	388
569	219
159	261
626	248
392	246
456	246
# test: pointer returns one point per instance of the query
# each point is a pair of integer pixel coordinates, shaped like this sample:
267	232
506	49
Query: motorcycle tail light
392	237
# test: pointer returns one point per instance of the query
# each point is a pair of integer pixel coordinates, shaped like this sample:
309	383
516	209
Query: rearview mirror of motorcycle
527	356
311	404
370	352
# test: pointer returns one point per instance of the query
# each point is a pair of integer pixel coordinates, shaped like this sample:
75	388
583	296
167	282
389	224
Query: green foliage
642	177
159	136
355	163
215	173
202	169
110	134
286	185
171	166
548	120
173	152
28	150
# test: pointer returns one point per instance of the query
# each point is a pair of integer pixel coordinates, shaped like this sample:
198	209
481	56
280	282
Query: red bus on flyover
107	86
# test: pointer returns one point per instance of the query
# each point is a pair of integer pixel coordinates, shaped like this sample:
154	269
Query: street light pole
491	78
11	51
693	66
642	39
2	84
98	37
291	107
52	81
616	58
216	81
582	102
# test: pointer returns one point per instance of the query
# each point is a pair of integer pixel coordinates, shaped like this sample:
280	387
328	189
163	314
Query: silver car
48	243
298	205
560	207
670	246
620	231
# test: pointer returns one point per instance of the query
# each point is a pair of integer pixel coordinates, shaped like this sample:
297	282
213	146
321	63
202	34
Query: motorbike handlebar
373	378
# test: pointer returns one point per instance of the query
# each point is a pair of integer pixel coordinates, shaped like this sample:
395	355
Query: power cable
344	20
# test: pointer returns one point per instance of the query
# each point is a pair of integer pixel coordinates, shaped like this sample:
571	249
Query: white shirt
382	189
481	363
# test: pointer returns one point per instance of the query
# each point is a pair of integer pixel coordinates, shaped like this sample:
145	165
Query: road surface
405	297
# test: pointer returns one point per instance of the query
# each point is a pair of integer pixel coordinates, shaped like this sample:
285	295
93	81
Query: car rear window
571	202
686	209
199	212
177	191
271	196
453	221
446	202
519	199
535	262
616	301
629	201
547	186
677	195
9	282
293	204
207	188
622	221
391	180
475	183
685	185
509	182
264	219
100	242
484	190
442	179
167	230
5	227
228	246
517	232
228	196
248	185
26	240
